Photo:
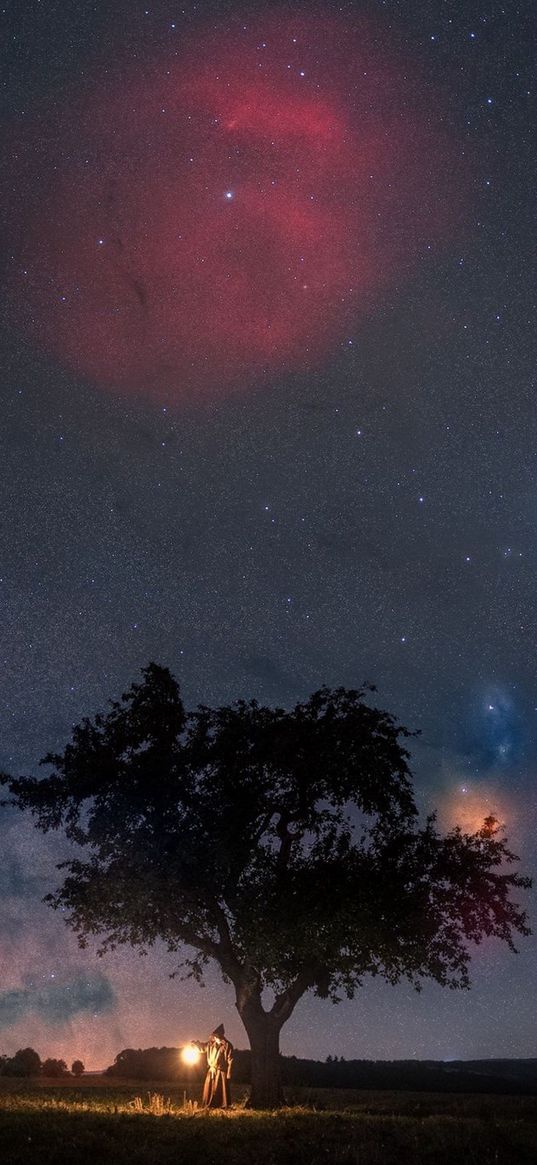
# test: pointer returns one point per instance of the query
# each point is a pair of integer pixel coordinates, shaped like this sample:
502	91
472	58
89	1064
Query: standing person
219	1052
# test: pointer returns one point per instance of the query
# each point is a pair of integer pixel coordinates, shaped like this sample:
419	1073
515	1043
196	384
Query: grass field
93	1123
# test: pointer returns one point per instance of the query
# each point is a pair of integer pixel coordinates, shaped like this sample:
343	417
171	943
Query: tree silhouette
77	1068
283	845
54	1068
149	1064
25	1062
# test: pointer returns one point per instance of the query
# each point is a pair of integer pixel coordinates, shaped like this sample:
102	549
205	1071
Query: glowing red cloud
470	807
210	220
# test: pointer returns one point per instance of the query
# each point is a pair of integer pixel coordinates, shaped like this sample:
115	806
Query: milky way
233	212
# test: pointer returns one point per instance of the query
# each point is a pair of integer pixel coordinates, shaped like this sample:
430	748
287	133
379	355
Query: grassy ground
115	1124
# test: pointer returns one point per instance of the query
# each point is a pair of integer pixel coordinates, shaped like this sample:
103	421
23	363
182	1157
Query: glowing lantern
190	1054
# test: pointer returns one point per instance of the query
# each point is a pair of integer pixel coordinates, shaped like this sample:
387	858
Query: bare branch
287	1000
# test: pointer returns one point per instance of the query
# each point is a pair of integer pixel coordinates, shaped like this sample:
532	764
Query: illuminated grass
63	1125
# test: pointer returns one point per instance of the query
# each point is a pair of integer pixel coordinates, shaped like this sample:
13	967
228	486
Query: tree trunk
266	1090
264	1036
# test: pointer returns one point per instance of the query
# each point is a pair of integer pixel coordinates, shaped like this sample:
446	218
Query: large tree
283	845
25	1062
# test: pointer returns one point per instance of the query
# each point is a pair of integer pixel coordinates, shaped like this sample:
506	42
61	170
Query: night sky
268	418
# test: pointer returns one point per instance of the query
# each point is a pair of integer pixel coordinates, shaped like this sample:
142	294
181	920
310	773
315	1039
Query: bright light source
190	1054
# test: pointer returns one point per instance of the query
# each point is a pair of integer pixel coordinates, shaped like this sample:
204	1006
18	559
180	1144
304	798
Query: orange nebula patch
469	806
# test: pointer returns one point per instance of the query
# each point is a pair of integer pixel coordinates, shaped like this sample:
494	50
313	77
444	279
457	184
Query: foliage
54	1068
77	1068
148	1064
25	1062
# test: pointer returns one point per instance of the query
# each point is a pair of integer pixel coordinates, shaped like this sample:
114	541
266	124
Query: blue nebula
494	736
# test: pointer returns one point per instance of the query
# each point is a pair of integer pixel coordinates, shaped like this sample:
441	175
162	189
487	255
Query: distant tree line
27	1062
151	1064
165	1064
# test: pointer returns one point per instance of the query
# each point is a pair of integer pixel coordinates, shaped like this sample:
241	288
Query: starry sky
268	351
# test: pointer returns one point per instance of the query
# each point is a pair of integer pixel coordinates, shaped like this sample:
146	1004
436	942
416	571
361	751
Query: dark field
93	1123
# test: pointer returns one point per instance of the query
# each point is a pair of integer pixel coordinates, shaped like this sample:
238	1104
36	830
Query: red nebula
233	210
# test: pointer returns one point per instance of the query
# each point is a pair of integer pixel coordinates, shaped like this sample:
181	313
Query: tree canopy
54	1068
152	1064
284	845
25	1062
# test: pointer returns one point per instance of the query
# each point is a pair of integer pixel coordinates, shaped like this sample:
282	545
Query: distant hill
502	1076
523	1071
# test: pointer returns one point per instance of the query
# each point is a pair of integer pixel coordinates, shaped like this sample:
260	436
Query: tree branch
201	943
227	956
285	1003
286	839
